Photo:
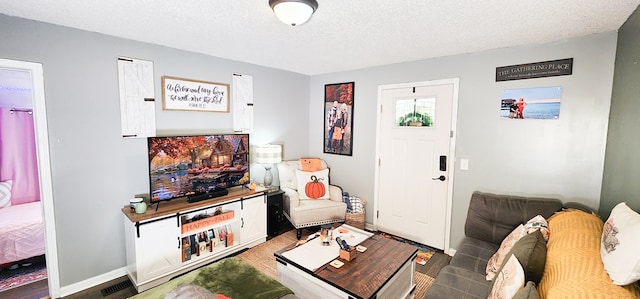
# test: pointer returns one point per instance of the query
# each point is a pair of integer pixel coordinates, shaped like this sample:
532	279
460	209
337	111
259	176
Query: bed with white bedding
21	232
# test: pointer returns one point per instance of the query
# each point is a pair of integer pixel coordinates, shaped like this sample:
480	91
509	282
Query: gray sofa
490	219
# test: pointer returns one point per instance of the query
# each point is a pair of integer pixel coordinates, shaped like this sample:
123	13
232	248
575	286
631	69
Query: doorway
414	154
38	110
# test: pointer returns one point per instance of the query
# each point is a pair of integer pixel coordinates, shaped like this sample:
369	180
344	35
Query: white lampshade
268	154
293	12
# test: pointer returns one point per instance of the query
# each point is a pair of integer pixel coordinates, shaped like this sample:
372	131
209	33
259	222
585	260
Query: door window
415	112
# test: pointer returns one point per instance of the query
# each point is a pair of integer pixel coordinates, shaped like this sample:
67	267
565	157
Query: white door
415	138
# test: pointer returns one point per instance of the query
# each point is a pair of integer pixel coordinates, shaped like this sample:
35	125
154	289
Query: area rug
261	257
423	282
10	279
231	277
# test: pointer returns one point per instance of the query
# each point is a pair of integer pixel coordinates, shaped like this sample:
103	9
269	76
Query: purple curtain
18	155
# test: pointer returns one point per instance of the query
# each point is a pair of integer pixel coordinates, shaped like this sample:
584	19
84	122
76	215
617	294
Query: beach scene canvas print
531	103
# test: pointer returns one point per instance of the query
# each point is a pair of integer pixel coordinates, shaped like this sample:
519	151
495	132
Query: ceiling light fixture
293	12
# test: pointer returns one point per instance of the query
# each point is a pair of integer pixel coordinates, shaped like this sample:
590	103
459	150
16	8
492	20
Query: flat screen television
186	166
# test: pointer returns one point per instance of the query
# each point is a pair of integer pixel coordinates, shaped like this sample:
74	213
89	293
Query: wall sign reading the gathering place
194	95
561	67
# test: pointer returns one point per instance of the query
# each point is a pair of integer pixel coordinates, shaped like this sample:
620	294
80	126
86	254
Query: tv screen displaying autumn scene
189	165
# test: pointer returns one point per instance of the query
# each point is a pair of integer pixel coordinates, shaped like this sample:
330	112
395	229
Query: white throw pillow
498	258
5	194
620	246
538	223
313	184
509	280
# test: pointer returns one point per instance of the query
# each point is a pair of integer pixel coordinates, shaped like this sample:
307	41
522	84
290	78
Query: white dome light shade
293	12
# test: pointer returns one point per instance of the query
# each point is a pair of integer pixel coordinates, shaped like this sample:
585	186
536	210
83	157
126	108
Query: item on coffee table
348	255
336	264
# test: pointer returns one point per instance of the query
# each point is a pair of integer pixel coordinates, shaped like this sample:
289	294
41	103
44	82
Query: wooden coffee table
385	270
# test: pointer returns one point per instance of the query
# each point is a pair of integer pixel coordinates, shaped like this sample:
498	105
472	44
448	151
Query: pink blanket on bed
21	232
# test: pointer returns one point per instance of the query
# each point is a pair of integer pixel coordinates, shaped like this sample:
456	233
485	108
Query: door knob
440	178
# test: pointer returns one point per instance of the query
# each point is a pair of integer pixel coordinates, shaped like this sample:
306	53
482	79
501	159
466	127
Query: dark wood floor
434	264
95	292
38	290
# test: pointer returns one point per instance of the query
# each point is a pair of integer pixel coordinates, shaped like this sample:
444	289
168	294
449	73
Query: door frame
44	167
452	147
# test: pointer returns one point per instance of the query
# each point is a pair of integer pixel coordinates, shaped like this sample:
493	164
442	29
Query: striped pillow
5	194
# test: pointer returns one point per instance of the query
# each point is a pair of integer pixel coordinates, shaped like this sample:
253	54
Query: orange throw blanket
574	268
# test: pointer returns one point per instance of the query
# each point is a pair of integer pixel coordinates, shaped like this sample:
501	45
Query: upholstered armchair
305	203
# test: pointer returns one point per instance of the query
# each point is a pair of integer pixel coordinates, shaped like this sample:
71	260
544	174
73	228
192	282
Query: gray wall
552	158
94	170
622	166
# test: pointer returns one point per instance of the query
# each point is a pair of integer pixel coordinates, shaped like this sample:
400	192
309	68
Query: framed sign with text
560	67
194	95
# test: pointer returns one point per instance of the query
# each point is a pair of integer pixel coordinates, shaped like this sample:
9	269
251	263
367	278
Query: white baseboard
370	227
92	282
451	252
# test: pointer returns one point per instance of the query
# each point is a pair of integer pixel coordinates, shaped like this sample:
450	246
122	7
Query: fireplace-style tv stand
180	236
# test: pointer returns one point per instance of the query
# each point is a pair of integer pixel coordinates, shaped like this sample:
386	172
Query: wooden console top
178	205
368	272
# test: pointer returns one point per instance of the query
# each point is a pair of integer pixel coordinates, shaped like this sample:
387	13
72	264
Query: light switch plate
464	164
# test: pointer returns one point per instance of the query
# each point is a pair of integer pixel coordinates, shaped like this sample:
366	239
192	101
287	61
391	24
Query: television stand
151	238
204	196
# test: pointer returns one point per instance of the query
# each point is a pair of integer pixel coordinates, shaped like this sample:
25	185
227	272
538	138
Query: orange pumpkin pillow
313	184
310	164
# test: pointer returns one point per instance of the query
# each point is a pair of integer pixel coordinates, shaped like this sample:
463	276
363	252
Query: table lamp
268	155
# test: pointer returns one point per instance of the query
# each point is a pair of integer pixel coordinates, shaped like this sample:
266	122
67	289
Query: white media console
180	236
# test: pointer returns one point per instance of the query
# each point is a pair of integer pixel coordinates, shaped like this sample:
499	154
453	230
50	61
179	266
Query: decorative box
348	255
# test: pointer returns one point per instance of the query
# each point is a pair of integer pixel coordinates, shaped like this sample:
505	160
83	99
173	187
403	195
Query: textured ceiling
341	35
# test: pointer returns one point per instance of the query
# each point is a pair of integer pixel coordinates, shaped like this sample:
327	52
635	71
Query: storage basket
356	219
